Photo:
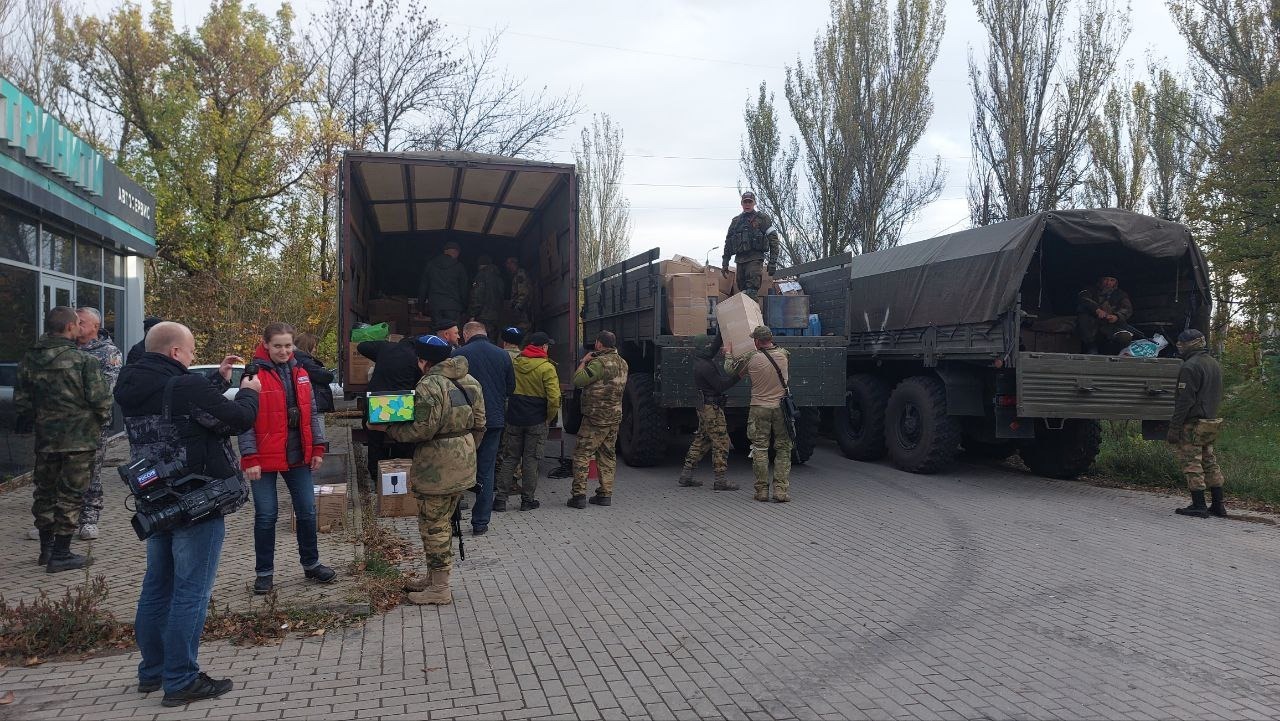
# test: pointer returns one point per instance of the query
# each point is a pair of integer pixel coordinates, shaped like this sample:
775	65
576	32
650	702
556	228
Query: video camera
164	504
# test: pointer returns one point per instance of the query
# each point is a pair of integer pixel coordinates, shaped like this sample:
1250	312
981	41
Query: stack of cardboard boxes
693	292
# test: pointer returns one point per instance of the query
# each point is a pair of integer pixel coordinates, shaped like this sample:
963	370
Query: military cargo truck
399	209
968	340
660	399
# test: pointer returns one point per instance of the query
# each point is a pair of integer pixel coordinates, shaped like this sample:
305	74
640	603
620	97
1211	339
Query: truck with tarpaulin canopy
968	340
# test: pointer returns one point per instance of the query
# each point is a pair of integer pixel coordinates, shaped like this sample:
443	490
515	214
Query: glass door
57	291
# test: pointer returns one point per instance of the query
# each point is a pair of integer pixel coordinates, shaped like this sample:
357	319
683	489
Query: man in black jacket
1195	424
395	370
713	432
182	418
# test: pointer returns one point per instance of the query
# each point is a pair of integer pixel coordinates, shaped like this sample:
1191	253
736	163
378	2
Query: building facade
74	230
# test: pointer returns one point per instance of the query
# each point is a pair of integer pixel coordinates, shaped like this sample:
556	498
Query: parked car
238	371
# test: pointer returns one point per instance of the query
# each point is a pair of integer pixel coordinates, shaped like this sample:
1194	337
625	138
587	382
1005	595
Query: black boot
63	559
499	504
1217	508
46	546
578	502
600	499
1197	507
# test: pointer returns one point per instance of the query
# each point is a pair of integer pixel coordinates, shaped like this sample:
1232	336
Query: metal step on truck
969	340
660	400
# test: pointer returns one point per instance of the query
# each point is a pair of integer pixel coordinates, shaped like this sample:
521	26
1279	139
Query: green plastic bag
370	332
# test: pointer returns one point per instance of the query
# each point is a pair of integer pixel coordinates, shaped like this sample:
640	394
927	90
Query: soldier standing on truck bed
1195	424
769	370
751	235
713	432
487	296
444	284
521	293
1104	312
602	376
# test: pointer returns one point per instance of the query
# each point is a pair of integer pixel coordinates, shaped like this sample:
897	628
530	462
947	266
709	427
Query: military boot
600	499
687	479
782	497
1217	508
46	546
579	501
63	559
762	493
437	593
1197	508
416	583
722	483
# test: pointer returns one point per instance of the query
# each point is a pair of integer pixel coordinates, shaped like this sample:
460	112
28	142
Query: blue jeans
266	511
486	462
181	566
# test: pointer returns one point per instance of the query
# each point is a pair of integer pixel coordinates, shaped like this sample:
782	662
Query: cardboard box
737	317
676	267
389	407
331	508
688	307
687	261
358	367
395	500
393	310
724	281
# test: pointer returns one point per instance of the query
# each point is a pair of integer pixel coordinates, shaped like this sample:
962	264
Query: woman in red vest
288	438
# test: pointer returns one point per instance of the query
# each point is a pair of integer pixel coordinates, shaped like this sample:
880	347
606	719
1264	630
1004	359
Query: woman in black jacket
303	347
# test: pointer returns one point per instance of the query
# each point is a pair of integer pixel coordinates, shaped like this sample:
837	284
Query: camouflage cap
762	332
749	195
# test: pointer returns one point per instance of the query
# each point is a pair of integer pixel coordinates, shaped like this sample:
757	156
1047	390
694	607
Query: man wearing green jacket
530	410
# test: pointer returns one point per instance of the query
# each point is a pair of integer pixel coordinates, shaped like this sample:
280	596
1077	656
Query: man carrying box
767	366
448	423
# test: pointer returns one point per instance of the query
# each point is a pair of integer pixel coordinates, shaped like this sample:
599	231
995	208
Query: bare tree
484	109
862	108
1119	149
1176	146
1033	104
1235	45
770	170
604	213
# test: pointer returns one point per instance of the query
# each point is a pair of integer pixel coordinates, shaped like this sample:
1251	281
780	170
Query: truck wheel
859	426
920	436
806	435
1064	453
642	437
571	413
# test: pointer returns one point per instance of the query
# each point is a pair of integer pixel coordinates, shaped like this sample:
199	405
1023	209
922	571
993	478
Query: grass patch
48	626
1245	450
270	624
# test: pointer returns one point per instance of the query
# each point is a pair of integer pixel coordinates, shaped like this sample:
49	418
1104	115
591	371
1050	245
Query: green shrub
46	626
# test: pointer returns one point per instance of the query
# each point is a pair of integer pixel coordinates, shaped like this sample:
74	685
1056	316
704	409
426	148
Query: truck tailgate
1060	385
817	365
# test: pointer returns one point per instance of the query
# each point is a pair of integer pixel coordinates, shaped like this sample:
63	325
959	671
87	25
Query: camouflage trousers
435	525
598	442
767	427
750	275
712	435
91	510
1196	457
59	483
522	448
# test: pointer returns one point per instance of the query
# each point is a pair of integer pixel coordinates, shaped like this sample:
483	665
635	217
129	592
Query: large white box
737	317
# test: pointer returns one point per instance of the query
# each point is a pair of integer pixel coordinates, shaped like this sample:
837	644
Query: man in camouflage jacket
97	344
487	293
521	295
448	424
1195	424
62	392
751	235
602	376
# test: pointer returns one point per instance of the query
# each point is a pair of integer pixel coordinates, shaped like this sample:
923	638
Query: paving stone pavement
122	558
977	593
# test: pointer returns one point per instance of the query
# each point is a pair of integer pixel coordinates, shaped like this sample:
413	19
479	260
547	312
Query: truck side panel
1059	385
816	366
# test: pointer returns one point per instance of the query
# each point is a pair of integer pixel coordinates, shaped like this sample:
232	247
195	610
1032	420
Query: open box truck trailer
399	210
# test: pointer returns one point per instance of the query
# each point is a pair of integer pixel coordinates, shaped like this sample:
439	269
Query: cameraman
194	432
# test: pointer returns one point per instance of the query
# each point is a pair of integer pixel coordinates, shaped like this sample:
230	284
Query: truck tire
919	435
642	437
859	426
571	413
1065	453
806	435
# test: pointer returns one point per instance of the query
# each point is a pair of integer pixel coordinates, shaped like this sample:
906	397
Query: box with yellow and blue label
389	407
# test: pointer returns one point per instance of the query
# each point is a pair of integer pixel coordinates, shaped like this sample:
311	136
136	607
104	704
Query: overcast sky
675	76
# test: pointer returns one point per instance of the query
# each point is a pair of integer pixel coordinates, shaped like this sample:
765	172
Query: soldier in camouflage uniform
1195	424
713	432
766	425
751	235
448	424
110	360
62	392
601	375
487	296
521	295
